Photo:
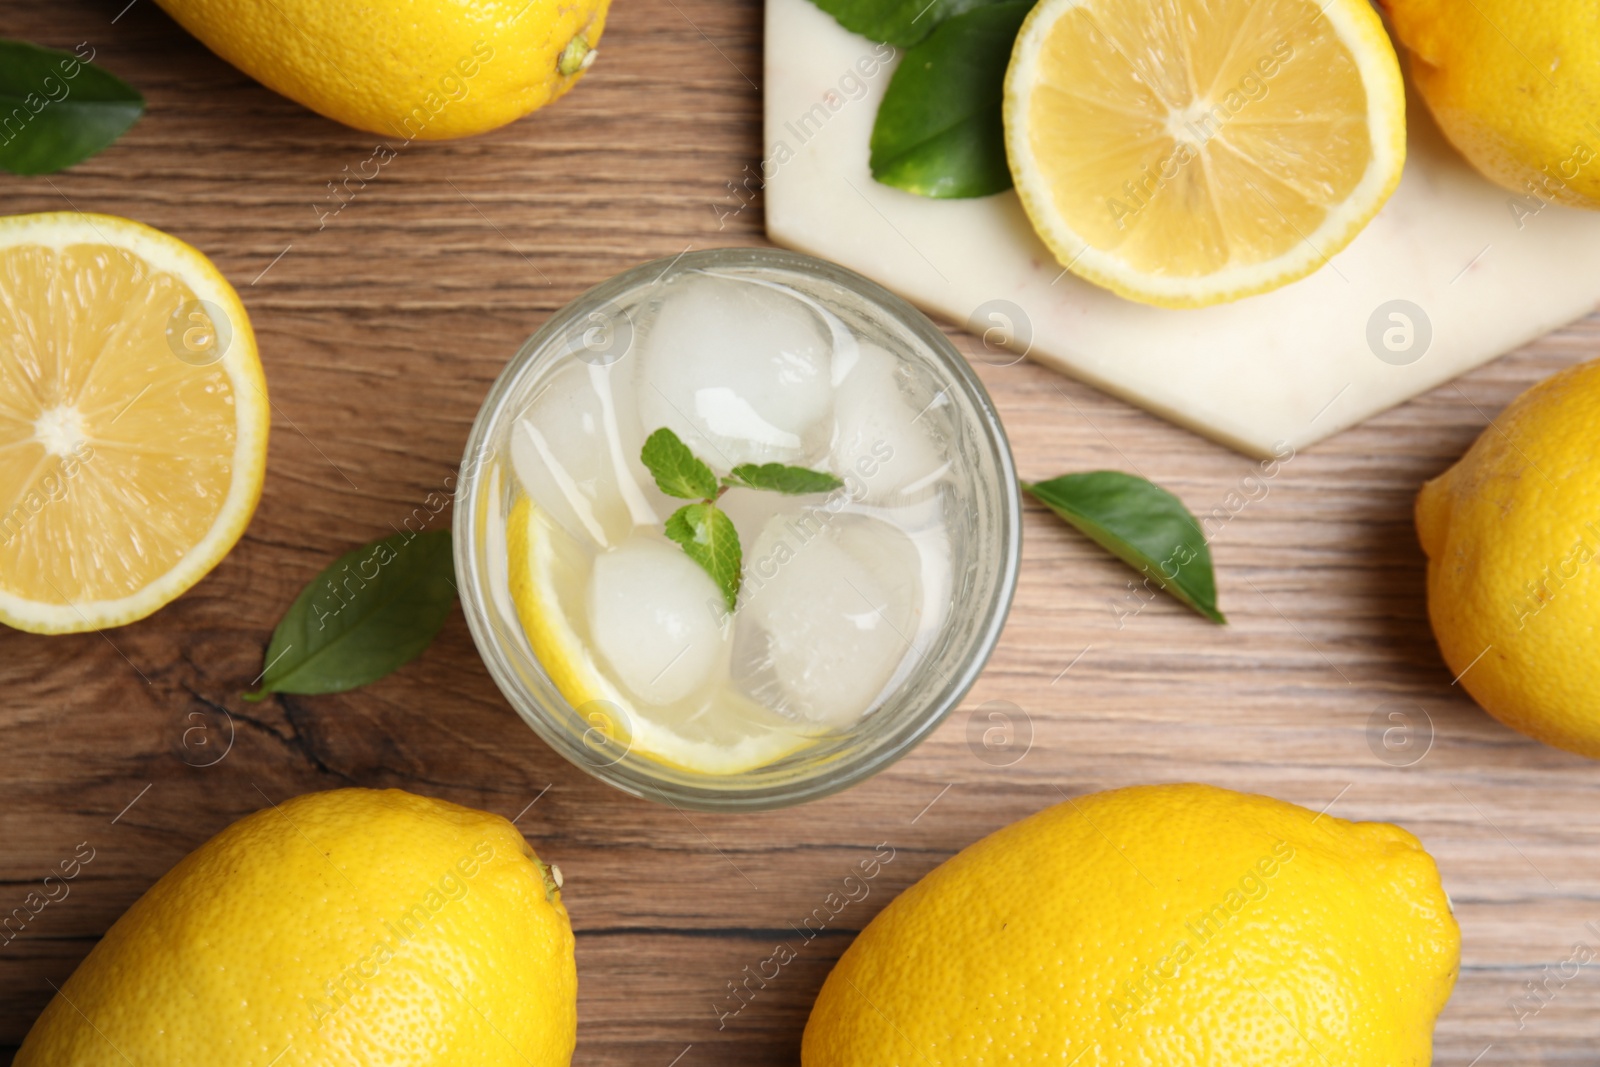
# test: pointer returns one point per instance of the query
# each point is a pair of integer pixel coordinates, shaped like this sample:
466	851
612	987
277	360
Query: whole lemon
419	70
1515	87
355	927
1171	924
1512	533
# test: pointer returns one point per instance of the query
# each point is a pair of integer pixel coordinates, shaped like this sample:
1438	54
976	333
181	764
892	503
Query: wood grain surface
381	332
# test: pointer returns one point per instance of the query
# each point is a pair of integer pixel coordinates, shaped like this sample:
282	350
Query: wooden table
381	332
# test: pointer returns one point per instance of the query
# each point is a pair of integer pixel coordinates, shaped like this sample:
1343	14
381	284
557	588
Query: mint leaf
1141	524
370	612
901	23
677	470
781	478
58	109
708	536
939	131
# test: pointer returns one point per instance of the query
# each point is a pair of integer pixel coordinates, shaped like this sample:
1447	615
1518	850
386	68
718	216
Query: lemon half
1185	153
133	420
731	735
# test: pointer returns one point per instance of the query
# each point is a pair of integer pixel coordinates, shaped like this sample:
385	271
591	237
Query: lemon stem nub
577	56
552	879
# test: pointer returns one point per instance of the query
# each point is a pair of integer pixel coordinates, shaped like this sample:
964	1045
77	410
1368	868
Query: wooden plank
381	333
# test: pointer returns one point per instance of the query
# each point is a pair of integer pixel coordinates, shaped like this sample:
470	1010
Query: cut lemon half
726	735
1189	152
133	420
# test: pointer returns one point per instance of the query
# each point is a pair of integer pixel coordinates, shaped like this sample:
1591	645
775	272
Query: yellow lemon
1512	534
1189	152
425	70
546	566
1172	924
1515	87
357	926
133	420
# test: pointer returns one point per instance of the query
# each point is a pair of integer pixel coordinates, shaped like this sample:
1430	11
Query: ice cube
831	603
739	370
579	459
751	510
879	438
921	576
655	618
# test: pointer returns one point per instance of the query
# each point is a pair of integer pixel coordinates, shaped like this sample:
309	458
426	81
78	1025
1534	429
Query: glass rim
627	775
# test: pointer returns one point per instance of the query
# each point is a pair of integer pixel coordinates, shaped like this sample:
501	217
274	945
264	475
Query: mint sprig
704	530
708	537
781	478
677	470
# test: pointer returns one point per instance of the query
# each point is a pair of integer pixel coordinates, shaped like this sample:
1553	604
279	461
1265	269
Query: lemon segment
1185	154
133	420
724	734
544	563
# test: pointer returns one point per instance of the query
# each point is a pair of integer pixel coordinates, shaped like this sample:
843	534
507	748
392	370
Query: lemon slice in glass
725	734
133	420
1189	152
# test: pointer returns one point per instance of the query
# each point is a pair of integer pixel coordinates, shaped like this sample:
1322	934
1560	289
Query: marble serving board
1453	271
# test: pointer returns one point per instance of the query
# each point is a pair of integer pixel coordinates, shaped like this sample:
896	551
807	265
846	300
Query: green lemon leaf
781	478
372	611
1141	524
57	109
708	536
939	131
901	23
677	470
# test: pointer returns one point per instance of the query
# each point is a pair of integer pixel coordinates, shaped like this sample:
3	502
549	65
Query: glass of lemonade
736	530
